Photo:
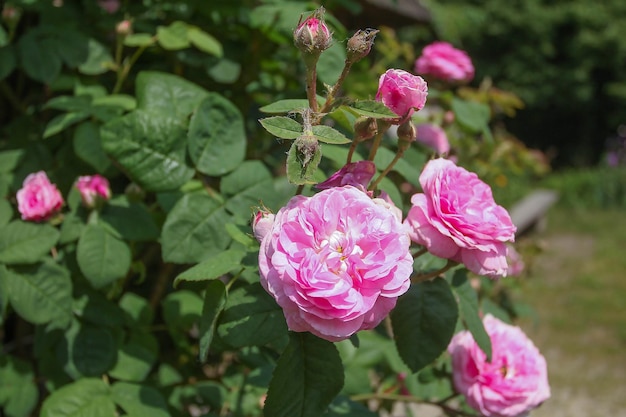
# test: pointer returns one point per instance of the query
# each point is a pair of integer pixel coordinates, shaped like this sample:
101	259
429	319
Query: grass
577	287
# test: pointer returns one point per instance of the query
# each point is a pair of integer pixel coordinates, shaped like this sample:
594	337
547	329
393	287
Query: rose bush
510	385
443	61
38	199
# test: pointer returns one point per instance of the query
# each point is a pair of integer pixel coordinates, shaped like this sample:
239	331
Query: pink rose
262	223
443	61
94	189
357	174
38	199
512	384
335	262
402	92
434	137
456	218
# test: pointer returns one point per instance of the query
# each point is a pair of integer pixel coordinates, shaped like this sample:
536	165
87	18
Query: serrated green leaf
282	127
139	400
129	221
101	257
214	267
194	229
216	136
214	301
88	397
174	36
62	121
40	293
151	146
309	374
18	391
302	167
88	146
98	61
468	305
204	42
6	213
285	106
87	350
135	40
239	236
424	321
251	318
327	134
371	108
244	186
26	243
136	357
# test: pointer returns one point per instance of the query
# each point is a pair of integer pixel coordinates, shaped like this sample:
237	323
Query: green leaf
302	167
38	57
40	293
214	301
204	42
251	318
214	267
327	134
137	309
10	160
102	258
136	357
216	136
69	103
468	305
194	229
174	36
93	307
26	243
181	310
424	321
471	115
122	101
88	146
8	62
331	63
309	374
6	213
371	108
62	121
168	94
4	37
87	350
245	186
135	40
98	61
89	397
282	127
225	71
70	45
150	145
344	407
129	221
285	106
139	400
4	293
18	391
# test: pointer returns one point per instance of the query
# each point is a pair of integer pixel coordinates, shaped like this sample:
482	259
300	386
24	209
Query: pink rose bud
512	384
402	92
124	28
335	262
442	61
313	36
358	174
262	223
457	218
360	44
434	137
38	199
94	190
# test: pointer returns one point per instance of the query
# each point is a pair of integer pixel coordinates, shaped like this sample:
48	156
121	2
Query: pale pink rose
515	261
512	384
443	61
457	218
434	137
38	199
357	174
402	92
335	262
94	189
262	223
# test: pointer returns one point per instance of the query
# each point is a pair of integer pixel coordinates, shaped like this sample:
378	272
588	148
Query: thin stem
311	87
419	253
353	146
124	70
388	169
158	290
377	139
299	189
433	274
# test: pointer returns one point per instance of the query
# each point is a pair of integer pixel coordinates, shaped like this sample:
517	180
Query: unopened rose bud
406	135
124	28
360	44
262	223
358	174
134	192
365	128
94	190
312	36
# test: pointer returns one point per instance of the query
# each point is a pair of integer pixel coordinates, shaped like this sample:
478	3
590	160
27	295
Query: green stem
433	274
419	253
377	139
388	169
311	87
353	146
124	69
333	90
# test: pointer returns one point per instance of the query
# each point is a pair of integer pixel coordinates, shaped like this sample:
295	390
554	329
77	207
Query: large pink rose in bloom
38	199
93	189
402	92
443	61
335	262
512	384
456	218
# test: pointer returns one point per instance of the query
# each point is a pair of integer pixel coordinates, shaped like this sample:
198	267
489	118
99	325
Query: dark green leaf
151	147
69	103
18	391
251	318
245	187
204	42
98	61
8	62
308	376
136	357
225	71
89	397
216	137
9	160
38	57
88	146
137	309
331	63
214	267
174	36
93	307
468	304
194	229
87	350
371	108
63	121
327	134
129	221
423	322
6	213
26	243
282	127
182	310
139	400
214	302
102	258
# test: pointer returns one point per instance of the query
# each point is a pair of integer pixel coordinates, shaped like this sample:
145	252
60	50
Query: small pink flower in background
515	261
434	137
38	199
262	223
335	262
109	6
457	218
443	61
402	92
512	384
357	174
94	189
